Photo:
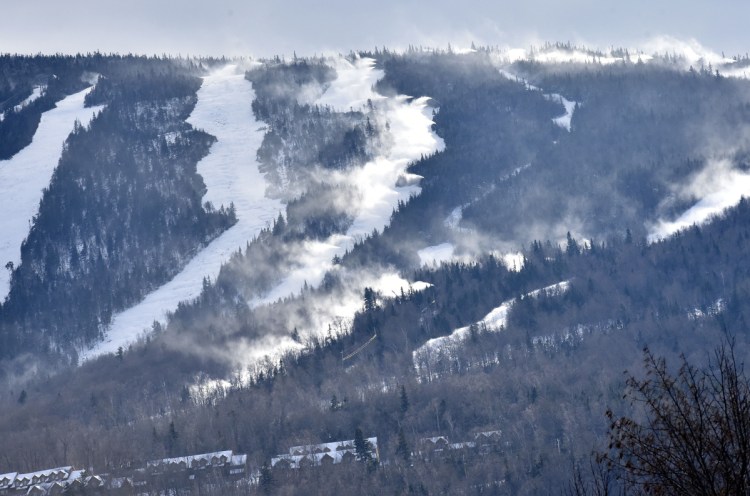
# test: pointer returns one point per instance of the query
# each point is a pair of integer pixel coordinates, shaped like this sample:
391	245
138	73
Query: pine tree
404	401
402	449
265	480
362	446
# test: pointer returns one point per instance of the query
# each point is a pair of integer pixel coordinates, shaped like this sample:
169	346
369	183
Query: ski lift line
358	350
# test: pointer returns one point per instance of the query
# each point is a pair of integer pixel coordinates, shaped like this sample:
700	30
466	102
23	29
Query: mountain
251	255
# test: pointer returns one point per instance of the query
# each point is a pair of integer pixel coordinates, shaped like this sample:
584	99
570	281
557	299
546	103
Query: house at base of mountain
313	455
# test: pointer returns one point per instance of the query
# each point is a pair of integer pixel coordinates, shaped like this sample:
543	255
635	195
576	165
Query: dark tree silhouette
694	435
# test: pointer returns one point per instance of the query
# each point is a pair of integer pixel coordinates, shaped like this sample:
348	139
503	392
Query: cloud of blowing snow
715	188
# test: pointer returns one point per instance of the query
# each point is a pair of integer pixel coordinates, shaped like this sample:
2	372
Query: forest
123	214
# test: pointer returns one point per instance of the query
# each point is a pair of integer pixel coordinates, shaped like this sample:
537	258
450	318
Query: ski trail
430	353
24	176
230	172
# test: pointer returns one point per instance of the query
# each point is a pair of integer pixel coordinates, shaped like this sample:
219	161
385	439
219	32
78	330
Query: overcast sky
268	27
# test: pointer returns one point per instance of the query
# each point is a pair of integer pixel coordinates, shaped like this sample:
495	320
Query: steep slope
24	177
232	178
122	213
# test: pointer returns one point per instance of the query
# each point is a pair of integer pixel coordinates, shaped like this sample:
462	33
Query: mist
266	28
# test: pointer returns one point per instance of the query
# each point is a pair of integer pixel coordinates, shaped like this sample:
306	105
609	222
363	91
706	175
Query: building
311	455
51	481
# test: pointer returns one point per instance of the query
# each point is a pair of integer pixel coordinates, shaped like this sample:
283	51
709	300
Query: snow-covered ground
564	120
231	174
410	122
27	173
436	254
716	188
35	94
431	352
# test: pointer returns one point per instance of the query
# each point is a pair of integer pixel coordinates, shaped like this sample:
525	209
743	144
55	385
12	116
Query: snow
564	120
454	218
690	50
410	122
513	261
315	453
430	352
207	457
353	85
24	176
230	172
436	254
718	187
35	94
566	56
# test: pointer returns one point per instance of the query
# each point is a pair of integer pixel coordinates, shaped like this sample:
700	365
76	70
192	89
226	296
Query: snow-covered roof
315	454
328	447
321	448
48	475
6	480
297	461
464	445
188	460
434	440
239	459
76	475
488	434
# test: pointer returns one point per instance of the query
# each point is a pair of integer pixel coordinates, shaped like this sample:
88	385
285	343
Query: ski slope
718	187
36	93
563	120
24	176
431	352
410	122
230	172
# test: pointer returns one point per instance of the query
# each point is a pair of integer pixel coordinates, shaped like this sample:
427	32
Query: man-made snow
513	261
564	120
431	352
410	122
27	173
231	174
718	187
436	254
35	94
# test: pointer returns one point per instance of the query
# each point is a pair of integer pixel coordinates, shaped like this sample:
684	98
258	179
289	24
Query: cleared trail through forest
230	172
24	176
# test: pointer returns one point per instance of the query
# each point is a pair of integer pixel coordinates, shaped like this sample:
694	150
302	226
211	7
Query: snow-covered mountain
310	242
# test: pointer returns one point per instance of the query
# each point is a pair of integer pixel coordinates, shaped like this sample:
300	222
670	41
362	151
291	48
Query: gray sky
268	27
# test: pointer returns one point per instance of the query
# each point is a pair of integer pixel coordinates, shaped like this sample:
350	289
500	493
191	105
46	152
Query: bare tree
694	433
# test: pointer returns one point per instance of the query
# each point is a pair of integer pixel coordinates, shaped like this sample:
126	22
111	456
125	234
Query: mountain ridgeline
577	169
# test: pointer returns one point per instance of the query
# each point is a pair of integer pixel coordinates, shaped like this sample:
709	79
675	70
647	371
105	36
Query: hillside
254	255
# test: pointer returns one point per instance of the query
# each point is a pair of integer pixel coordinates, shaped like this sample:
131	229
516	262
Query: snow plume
24	176
314	314
427	355
381	183
690	51
371	192
717	187
555	54
659	49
